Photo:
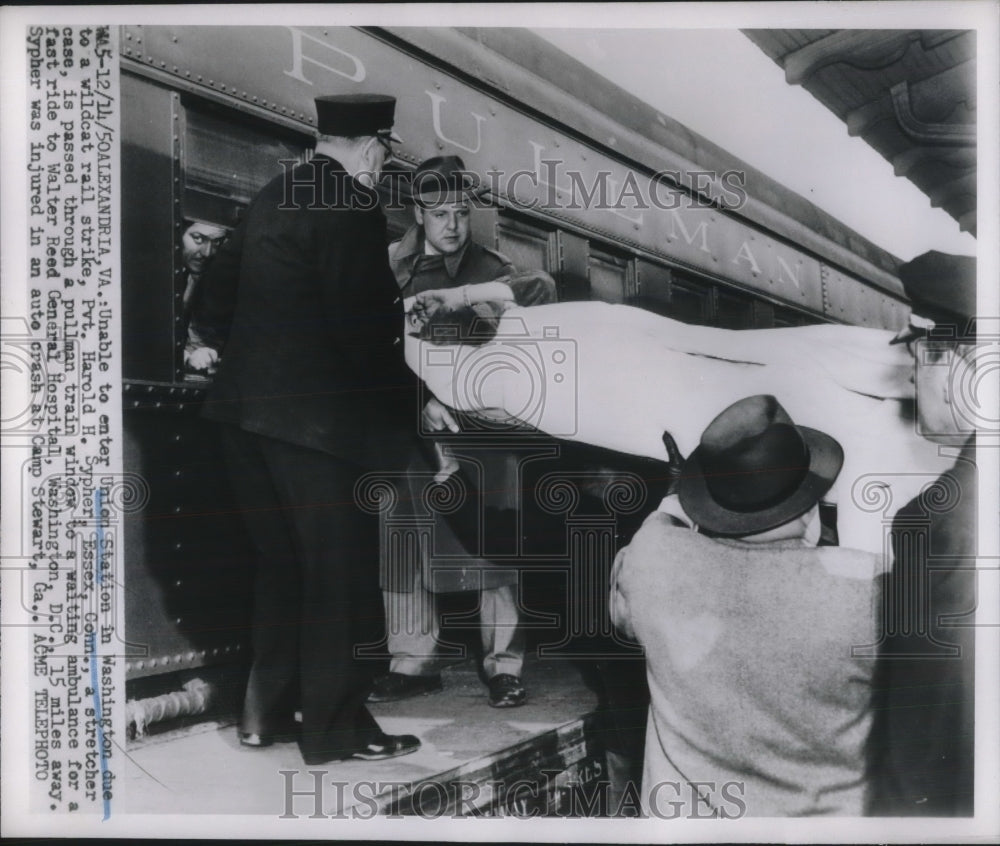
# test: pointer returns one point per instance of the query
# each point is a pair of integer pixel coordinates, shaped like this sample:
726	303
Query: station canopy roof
911	94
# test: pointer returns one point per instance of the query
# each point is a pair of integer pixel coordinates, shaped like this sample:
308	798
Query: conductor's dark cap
942	292
354	115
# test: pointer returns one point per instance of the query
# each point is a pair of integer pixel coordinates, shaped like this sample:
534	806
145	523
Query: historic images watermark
549	186
311	795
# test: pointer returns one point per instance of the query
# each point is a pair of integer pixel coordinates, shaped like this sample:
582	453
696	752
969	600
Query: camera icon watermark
514	383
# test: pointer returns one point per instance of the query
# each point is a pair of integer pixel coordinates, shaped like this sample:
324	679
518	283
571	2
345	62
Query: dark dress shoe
259	740
506	691
387	746
395	686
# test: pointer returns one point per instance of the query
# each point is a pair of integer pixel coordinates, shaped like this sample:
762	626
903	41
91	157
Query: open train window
227	158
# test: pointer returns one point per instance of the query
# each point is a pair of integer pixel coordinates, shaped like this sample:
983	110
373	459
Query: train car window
763	314
611	277
690	301
529	247
398	213
733	311
227	159
652	288
789	317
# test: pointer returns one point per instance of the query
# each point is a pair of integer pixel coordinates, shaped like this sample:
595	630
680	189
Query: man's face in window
199	243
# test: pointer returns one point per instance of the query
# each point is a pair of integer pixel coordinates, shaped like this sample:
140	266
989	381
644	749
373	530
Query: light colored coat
753	685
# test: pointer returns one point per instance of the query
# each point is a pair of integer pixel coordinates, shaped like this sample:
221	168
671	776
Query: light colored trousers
414	629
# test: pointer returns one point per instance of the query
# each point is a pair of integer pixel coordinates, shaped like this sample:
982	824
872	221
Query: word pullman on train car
72	488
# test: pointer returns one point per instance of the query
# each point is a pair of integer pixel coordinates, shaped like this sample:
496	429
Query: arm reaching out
531	287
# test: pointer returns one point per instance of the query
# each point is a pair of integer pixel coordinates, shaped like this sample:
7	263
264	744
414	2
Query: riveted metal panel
753	259
849	301
149	294
188	564
524	65
529	162
895	314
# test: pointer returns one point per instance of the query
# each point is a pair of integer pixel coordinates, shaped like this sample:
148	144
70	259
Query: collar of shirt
411	250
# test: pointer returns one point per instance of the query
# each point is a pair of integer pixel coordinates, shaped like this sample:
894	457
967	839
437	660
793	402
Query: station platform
474	760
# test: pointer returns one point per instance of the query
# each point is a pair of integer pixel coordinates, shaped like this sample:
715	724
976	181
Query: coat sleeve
532	287
529	287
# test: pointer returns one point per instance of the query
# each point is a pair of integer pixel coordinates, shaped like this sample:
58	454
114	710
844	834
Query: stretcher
618	377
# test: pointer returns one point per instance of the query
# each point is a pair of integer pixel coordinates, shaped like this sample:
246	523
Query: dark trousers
316	593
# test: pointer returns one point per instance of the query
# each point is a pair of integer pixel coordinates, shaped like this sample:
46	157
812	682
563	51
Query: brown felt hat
755	469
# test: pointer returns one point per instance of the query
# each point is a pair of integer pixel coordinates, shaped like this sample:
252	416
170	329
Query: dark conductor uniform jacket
306	311
922	743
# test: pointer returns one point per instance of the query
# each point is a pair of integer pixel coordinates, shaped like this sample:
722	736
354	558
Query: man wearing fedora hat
312	391
758	706
922	745
439	267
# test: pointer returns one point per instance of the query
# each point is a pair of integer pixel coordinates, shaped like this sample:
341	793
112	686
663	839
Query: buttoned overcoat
307	312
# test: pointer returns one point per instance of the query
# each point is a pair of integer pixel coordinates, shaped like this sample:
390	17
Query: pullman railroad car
590	184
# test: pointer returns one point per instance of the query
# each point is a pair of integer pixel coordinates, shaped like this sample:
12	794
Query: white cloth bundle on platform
618	377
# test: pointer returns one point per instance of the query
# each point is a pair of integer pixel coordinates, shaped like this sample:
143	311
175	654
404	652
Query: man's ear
371	148
418	215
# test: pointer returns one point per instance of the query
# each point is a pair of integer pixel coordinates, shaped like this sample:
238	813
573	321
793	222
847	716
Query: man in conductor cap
312	392
922	745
